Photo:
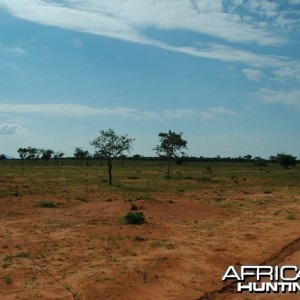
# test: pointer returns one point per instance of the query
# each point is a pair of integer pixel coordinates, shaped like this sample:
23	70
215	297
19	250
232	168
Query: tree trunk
168	172
109	164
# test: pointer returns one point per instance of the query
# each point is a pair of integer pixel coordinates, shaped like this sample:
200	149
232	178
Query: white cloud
290	71
211	113
11	49
12	128
286	97
229	54
294	2
253	74
262	7
224	111
74	110
127	20
180	113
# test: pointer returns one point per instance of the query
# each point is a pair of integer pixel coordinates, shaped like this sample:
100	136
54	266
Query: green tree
260	162
46	155
170	146
3	157
136	157
81	154
109	145
248	157
32	153
23	152
286	160
57	156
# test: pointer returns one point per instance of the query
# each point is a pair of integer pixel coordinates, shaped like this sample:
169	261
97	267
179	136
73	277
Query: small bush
81	199
143	197
133	177
140	239
46	203
134	207
8	279
135	218
171	201
267	192
290	217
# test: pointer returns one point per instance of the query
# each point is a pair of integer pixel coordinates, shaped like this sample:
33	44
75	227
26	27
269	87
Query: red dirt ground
181	252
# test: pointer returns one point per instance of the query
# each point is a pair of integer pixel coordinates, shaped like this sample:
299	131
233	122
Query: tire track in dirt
274	260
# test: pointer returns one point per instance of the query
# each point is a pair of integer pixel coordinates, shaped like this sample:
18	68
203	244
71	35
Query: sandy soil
181	252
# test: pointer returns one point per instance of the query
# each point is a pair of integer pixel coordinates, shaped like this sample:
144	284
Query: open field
197	224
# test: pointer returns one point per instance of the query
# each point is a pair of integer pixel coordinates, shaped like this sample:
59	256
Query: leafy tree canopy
109	145
286	160
171	144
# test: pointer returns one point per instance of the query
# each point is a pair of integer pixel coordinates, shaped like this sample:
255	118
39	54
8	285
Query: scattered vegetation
171	201
286	160
143	197
133	206
290	216
8	279
135	218
240	187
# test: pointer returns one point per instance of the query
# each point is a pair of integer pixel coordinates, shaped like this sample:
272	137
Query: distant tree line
109	147
82	156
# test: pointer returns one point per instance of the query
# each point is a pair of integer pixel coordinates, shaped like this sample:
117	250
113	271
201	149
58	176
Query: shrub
260	163
46	203
133	177
8	279
135	218
134	207
290	217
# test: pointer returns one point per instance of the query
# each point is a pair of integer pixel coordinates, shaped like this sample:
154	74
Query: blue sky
225	73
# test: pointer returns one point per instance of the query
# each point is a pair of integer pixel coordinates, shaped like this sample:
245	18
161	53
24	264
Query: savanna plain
63	234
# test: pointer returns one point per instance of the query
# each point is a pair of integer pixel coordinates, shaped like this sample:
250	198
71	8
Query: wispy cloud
127	20
11	49
286	97
210	113
295	2
13	128
253	74
74	110
290	71
227	54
